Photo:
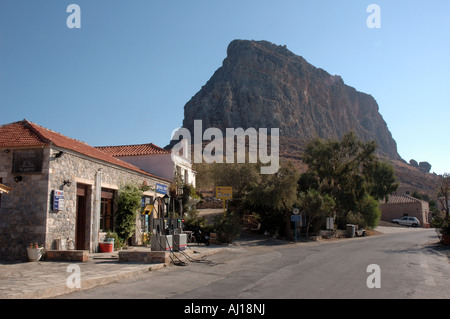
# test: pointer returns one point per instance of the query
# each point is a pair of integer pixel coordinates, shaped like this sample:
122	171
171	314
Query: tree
316	207
240	176
349	171
274	198
380	180
128	205
444	193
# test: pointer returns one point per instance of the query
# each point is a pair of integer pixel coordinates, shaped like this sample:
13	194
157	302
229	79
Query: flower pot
446	240
106	247
34	254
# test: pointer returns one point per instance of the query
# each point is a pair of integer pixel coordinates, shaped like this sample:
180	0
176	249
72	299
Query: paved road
411	266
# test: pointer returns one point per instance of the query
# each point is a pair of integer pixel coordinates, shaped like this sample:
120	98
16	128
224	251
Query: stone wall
26	214
83	170
417	209
23	210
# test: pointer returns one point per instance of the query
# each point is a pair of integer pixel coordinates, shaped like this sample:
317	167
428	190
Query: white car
407	221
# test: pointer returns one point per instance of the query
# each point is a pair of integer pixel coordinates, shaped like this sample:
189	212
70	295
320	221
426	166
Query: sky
125	75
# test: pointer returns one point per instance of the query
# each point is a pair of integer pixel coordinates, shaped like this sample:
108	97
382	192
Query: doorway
81	222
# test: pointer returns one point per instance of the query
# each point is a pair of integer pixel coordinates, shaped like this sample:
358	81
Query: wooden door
80	230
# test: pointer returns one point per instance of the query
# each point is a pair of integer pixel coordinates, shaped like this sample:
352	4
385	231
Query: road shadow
251	239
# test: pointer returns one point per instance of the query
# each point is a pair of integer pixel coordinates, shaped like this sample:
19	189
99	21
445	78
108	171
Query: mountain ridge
264	85
261	84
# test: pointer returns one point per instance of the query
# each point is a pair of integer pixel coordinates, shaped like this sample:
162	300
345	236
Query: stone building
155	159
404	205
63	190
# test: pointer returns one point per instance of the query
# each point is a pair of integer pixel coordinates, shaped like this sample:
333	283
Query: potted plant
35	252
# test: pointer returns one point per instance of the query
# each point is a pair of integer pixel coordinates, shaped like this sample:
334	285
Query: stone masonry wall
23	210
80	169
26	214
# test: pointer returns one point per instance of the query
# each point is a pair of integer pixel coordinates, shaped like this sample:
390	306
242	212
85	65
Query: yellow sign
147	210
224	192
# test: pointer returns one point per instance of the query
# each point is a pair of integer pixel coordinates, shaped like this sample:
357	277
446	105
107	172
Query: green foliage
128	205
369	210
274	197
227	226
348	171
240	176
316	207
195	222
118	242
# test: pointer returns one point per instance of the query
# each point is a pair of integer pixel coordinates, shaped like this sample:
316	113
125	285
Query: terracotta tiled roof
133	150
401	199
25	133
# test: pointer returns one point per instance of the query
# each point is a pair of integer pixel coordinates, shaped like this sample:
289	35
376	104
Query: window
106	211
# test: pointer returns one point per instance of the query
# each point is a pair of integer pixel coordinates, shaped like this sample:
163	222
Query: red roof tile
133	150
25	133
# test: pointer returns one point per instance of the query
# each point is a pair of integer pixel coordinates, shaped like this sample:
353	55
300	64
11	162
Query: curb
55	291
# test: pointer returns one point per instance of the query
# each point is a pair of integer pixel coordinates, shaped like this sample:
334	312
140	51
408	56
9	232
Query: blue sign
58	200
160	188
296	218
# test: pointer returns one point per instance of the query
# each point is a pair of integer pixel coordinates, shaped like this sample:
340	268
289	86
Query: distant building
155	160
63	190
404	205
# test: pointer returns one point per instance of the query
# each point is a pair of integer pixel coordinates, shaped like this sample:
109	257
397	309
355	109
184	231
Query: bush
227	226
128	204
194	222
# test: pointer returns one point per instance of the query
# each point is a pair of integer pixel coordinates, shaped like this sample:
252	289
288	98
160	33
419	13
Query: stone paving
47	279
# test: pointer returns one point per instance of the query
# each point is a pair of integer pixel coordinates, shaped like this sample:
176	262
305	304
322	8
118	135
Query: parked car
407	221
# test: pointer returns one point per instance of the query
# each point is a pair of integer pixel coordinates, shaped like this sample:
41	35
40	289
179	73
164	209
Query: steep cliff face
262	85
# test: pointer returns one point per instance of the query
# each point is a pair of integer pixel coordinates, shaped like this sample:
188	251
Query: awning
4	188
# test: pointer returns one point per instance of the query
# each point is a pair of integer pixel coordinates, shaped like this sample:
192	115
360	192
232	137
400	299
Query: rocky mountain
263	85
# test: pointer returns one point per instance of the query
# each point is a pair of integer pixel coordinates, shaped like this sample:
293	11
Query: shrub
227	226
128	204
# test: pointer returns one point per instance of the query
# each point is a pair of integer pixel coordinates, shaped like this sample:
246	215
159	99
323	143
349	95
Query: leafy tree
128	205
240	176
444	193
316	207
274	198
348	171
380	180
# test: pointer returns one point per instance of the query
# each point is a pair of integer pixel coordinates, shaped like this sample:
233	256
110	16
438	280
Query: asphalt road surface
402	265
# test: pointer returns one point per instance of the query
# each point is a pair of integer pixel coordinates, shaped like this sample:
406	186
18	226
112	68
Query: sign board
330	223
148	210
224	192
58	200
160	188
296	211
27	161
296	218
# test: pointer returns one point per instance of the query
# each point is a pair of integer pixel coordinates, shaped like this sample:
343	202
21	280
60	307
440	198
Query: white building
155	160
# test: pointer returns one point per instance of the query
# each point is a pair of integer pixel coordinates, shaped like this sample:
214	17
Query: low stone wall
67	255
146	257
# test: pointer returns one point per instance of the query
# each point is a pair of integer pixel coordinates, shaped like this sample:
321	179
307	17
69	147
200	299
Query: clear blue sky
125	76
